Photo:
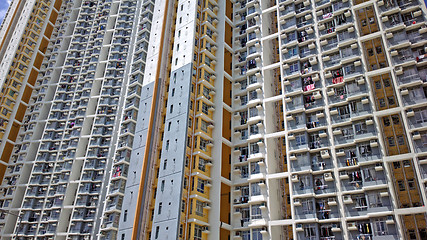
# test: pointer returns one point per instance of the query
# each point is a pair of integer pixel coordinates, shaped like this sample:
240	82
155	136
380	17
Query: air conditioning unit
295	178
297	202
373	143
389	220
332	202
328	177
416	135
399	70
320	114
365	100
351	226
347	199
379	167
404	91
340	153
344	175
299	227
410	113
324	154
335	227
384	194
313	60
322	134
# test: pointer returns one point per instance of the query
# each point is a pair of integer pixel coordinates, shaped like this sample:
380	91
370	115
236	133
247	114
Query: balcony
420	141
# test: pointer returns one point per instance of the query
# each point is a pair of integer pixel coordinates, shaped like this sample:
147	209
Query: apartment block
71	126
219	119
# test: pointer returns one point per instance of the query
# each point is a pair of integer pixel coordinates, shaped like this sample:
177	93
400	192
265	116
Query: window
203	144
420	116
199	208
202	163
401	185
254	148
386	121
160	208
360	203
307	206
200	185
374	200
157	232
171	110
386	82
309	232
198	232
400	140
395	119
254	129
300	139
411	184
204	126
169	126
380	227
162	188
253	112
396	165
182	205
205	108
244	134
125	216
167	145
256	234
294	68
391	142
391	100
255	189
256	212
165	163
12	93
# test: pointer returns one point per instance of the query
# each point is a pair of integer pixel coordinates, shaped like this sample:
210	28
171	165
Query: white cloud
2	14
4	10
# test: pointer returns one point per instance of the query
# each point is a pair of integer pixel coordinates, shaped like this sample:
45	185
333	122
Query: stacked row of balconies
70	100
249	193
201	115
120	166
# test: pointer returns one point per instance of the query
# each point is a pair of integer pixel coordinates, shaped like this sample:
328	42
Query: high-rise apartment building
214	119
71	77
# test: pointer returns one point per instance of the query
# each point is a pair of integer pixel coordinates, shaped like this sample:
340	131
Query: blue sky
4	4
